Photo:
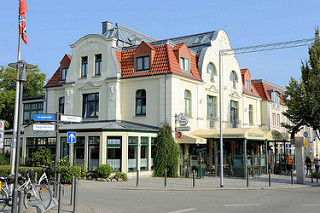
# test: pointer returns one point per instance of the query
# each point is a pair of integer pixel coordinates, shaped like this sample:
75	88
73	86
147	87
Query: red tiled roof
253	89
263	87
55	79
164	61
118	54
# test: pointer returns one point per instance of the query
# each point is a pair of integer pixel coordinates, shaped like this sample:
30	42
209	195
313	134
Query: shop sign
183	120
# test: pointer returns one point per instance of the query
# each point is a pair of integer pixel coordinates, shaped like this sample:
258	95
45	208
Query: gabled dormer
183	56
143	57
64	66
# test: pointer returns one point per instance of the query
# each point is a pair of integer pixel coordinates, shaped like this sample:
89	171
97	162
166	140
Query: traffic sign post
1	125
71	139
68	118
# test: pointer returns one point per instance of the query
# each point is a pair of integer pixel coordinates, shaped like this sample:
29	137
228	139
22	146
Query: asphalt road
144	201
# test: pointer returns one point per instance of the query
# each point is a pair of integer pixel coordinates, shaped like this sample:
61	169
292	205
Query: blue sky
54	25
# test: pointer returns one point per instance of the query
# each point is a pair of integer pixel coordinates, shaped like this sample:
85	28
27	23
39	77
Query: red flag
22	20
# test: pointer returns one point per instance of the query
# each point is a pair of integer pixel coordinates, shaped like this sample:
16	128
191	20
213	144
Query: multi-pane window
250	114
211	107
184	64
132	154
187	102
29	109
61	105
212	71
234	113
143	63
141	102
84	66
273	119
98	65
278	120
234	79
91	105
247	83
144	153
275	100
114	152
64	74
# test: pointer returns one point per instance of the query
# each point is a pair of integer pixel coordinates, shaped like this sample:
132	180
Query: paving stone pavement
177	184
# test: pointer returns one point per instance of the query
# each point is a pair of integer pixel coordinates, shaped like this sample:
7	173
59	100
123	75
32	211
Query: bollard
36	177
194	179
137	185
269	177
291	177
59	198
311	176
21	195
165	178
75	196
317	169
248	177
71	191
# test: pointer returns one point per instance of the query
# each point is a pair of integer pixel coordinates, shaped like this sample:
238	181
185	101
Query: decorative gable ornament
235	95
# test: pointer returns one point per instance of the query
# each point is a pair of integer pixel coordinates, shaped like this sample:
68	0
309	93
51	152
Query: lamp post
220	114
21	67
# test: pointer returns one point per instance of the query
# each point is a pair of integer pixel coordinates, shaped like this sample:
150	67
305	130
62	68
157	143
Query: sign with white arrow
72	137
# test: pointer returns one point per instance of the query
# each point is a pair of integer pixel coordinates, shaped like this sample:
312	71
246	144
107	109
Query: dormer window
143	63
184	64
63	74
247	83
199	39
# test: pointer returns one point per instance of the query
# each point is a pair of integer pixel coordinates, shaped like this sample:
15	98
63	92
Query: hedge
66	173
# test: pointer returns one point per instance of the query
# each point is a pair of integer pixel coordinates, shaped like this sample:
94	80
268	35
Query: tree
303	100
167	153
32	87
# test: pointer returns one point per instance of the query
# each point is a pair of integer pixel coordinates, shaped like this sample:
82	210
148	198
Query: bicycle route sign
72	137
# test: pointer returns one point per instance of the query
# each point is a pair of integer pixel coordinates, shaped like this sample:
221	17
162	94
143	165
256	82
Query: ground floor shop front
243	149
126	147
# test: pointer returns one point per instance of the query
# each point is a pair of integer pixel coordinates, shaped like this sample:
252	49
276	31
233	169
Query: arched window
250	114
187	102
211	69
234	79
141	102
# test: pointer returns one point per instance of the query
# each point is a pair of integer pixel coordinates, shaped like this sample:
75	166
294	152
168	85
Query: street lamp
21	67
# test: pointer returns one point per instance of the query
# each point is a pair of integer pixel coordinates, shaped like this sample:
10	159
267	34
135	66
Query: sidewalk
208	183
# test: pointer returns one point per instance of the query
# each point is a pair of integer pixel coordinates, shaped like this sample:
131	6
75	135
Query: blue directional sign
44	117
72	137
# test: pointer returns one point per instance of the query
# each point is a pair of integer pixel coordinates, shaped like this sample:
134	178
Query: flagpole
16	129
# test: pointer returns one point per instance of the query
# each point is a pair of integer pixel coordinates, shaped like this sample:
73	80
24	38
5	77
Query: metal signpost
71	139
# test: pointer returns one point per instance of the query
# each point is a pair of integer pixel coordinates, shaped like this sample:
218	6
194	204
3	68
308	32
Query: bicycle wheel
3	199
38	194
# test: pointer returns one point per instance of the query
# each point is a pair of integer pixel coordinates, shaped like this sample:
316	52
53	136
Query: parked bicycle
5	192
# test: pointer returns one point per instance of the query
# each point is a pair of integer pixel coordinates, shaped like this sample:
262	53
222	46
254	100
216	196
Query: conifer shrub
166	153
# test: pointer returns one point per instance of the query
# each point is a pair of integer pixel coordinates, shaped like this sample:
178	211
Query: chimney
106	25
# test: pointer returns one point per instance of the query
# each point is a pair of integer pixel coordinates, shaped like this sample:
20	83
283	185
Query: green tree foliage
32	87
104	171
303	97
167	153
42	157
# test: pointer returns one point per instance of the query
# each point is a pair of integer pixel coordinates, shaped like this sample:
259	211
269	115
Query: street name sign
43	127
183	128
69	118
72	137
44	117
1	125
